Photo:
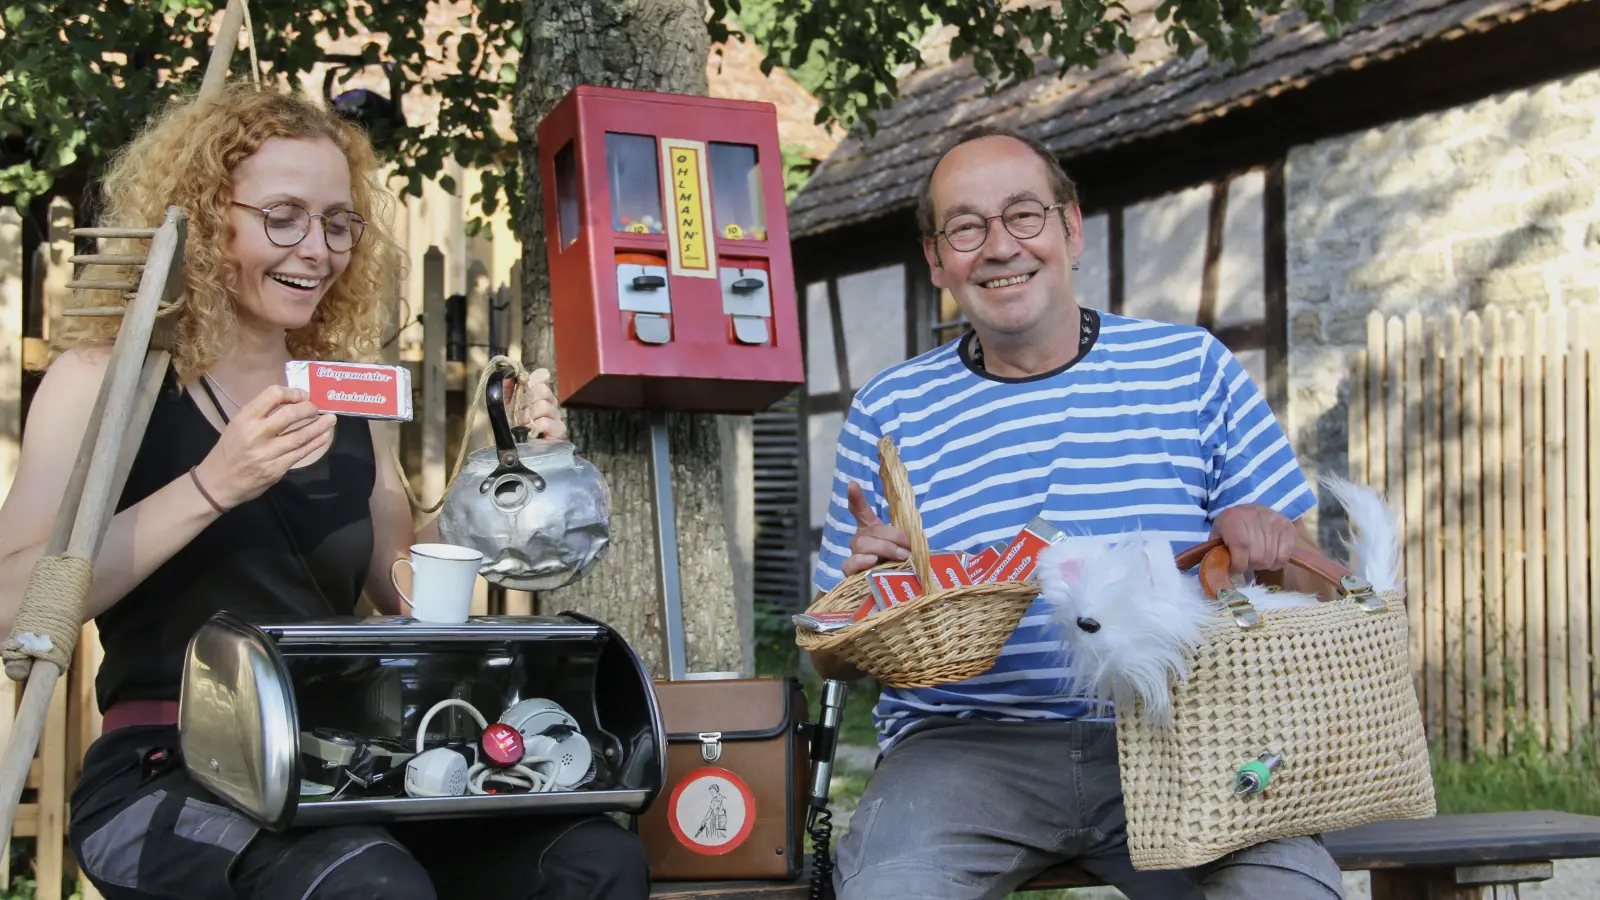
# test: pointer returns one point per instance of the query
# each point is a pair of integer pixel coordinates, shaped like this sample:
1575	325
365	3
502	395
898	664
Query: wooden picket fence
1484	428
443	261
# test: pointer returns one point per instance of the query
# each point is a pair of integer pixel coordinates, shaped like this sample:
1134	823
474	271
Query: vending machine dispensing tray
261	703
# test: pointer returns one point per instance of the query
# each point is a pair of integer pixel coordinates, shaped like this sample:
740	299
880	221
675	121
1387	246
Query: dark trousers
141	831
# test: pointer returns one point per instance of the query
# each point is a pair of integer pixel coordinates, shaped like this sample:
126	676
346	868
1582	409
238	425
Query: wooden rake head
171	291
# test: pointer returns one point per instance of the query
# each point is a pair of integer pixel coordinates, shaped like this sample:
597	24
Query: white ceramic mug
442	578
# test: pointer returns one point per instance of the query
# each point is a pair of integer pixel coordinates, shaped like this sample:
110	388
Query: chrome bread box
313	723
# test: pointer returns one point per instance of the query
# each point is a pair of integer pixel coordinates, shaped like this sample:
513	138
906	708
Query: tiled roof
1124	100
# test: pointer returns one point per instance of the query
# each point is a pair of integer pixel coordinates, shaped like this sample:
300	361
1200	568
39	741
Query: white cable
518	776
522	775
422	729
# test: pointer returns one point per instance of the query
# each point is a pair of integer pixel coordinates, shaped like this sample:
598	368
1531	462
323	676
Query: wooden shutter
782	576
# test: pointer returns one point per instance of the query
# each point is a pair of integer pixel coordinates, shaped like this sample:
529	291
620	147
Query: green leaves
849	52
78	77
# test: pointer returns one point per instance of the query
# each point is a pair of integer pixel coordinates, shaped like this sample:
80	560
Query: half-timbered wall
1496	201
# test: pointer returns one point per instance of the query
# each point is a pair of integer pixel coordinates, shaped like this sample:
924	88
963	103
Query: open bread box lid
262	704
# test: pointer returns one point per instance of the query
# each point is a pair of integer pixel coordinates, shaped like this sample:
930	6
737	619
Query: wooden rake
51	617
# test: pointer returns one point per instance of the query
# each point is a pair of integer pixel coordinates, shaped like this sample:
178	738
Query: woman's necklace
218	385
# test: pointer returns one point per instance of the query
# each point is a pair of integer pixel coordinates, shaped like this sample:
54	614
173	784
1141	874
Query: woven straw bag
940	637
1328	688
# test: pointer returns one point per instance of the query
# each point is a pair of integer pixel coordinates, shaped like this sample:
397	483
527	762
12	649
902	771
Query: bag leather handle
1215	561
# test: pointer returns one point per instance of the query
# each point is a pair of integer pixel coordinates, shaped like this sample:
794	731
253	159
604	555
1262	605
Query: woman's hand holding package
270	435
875	540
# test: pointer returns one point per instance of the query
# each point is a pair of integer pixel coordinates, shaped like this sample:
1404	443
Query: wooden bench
1444	858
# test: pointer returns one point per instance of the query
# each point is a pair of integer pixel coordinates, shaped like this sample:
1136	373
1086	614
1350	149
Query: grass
1527	778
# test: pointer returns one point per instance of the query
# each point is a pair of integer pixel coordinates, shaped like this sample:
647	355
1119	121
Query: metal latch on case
1244	612
1360	590
710	746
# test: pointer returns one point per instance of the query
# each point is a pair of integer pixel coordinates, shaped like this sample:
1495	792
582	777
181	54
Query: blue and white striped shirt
1156	428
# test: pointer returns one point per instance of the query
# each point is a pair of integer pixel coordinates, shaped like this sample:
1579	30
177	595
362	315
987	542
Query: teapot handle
495	397
505	441
495	391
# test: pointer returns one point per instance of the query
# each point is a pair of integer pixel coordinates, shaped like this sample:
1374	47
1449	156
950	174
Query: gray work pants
964	809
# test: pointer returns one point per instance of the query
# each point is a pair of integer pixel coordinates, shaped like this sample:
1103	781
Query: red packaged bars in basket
893	588
1022	554
364	390
935	631
978	564
947	571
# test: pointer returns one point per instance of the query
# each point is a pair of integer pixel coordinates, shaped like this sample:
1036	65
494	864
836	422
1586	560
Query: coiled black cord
821	831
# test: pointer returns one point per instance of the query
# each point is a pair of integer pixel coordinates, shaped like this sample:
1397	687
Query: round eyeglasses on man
287	225
1024	219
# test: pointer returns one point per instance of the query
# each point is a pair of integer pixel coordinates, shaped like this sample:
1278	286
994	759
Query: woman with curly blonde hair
247	499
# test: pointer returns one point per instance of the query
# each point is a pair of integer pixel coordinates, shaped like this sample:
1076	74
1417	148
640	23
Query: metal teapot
538	513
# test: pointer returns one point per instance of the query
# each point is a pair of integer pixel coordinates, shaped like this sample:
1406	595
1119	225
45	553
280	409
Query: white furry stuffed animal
1374	540
1129	618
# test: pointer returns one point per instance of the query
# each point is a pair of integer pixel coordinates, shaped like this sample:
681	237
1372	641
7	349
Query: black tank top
301	550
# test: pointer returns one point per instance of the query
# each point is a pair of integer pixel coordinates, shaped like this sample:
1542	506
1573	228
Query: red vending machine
670	279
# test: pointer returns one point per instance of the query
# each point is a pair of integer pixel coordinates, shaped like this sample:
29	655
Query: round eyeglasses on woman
287	225
1024	219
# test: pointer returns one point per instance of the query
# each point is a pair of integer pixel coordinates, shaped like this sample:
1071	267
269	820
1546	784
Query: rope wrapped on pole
51	617
52	612
48	624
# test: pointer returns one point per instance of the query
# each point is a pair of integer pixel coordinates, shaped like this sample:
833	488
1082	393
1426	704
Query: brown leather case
731	745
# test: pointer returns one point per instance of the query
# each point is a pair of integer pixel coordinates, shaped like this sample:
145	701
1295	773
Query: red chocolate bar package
947	571
867	608
1022	554
977	564
894	587
364	390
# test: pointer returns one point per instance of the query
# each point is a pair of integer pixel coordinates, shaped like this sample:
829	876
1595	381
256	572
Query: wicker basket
938	638
1327	687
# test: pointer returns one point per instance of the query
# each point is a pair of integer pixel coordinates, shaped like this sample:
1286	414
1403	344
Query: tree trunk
658	45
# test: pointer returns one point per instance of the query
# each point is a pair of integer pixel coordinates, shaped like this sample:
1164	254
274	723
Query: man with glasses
1100	424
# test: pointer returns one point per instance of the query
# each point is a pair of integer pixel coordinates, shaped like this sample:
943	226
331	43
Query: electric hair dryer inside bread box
317	723
671	285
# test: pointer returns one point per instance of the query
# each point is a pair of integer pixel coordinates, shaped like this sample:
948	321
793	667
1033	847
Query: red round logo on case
502	744
711	811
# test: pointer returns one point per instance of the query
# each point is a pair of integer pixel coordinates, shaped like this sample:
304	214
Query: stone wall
1490	202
